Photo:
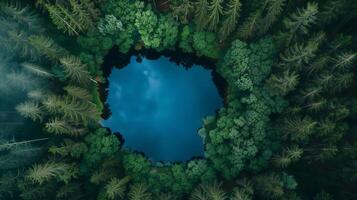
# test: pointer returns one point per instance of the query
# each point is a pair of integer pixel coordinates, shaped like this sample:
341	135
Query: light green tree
139	192
61	127
40	173
75	70
116	188
288	156
30	109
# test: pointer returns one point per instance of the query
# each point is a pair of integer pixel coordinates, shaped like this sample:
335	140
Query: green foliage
186	39
100	145
136	166
205	44
69	148
110	25
156	32
241	126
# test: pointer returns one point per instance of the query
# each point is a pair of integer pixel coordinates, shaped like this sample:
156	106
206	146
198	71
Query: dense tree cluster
286	131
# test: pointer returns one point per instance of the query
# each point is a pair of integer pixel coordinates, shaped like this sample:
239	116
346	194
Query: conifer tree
273	9
116	188
288	156
281	84
249	27
40	173
75	70
139	192
299	22
215	11
36	70
61	127
231	15
47	47
30	109
201	14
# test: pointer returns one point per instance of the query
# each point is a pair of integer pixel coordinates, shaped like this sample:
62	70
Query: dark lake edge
114	58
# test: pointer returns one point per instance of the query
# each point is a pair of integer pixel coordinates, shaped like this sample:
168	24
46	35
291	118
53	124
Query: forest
287	129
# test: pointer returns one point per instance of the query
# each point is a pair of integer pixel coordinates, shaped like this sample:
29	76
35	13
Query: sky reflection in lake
158	107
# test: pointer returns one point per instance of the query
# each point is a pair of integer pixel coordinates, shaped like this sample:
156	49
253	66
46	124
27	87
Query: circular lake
158	107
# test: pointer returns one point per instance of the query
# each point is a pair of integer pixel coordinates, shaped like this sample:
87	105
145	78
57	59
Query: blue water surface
158	107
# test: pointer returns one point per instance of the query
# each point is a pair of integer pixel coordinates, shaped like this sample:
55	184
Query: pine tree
139	192
342	81
24	17
249	27
64	19
330	11
273	10
36	95
40	173
61	127
281	84
36	70
47	47
269	186
73	18
72	109
215	11
16	42
79	93
344	60
288	156
299	128
52	104
116	188
69	148
75	70
30	109
297	55
201	14
80	11
300	22
231	17
211	191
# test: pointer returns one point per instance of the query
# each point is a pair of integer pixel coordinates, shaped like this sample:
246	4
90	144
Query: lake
158	106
